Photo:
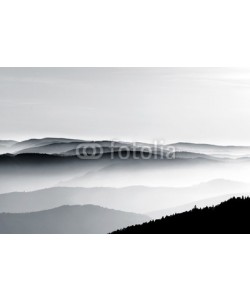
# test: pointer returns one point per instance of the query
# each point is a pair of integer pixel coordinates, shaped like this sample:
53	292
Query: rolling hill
136	199
68	220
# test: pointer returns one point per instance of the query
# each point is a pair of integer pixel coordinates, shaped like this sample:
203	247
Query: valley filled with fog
45	174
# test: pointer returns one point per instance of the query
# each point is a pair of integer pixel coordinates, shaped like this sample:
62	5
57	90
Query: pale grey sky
208	105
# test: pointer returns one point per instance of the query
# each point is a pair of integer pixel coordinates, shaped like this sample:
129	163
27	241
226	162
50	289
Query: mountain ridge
35	143
136	199
76	219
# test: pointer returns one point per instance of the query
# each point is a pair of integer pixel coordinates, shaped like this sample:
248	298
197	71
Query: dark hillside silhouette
230	217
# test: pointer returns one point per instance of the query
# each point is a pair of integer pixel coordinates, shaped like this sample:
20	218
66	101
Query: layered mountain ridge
64	146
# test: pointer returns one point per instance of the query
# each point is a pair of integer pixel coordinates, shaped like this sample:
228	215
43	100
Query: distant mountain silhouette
152	201
210	149
67	147
230	217
69	219
43	163
6	145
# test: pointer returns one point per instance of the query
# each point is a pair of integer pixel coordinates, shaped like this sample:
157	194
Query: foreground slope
69	219
232	216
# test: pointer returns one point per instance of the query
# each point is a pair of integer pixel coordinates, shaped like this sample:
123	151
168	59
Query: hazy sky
208	105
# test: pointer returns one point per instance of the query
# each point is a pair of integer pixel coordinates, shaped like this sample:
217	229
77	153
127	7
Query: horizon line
128	141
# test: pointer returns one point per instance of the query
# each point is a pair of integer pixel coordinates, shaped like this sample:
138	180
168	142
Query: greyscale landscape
105	181
47	188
